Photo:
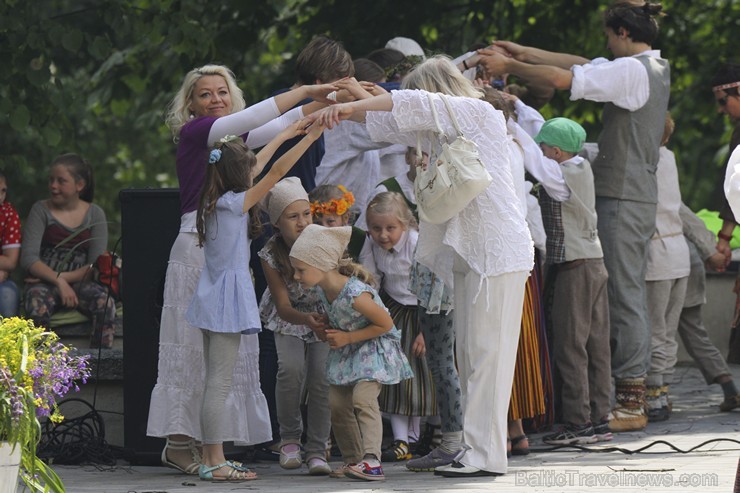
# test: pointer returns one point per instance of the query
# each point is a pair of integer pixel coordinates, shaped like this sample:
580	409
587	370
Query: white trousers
487	325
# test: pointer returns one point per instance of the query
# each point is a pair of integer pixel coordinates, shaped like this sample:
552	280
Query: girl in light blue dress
224	305
365	346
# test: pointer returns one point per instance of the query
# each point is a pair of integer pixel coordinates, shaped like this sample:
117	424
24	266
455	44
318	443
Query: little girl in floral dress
365	345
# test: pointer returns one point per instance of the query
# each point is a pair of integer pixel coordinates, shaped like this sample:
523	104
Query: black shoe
430	440
658	414
266	453
398	451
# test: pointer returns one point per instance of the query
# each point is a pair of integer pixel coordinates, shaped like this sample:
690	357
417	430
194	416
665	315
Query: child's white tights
405	428
219	351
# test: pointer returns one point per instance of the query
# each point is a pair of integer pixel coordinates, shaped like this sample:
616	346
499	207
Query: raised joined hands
319	92
332	115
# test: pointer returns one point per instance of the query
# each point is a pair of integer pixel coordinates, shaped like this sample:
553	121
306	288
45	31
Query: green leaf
136	83
100	47
39	76
35	40
119	107
52	135
72	40
20	118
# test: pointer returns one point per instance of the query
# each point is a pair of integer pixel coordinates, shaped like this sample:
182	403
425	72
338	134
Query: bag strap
434	114
453	118
440	132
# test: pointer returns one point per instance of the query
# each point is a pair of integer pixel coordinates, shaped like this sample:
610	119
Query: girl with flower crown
331	206
224	305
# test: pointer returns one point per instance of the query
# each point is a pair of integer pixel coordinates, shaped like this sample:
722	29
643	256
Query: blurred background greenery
95	76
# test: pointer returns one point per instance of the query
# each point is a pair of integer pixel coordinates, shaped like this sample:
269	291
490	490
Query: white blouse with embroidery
491	233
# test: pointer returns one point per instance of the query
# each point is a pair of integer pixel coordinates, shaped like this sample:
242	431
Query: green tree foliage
95	76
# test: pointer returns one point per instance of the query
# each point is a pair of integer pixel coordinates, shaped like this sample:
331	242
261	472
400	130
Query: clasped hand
337	338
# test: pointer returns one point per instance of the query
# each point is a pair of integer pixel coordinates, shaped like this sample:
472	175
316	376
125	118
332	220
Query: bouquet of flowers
35	371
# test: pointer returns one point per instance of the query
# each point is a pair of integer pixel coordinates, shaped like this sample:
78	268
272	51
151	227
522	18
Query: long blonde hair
439	74
178	112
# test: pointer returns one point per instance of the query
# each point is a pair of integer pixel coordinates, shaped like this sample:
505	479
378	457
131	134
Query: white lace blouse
491	233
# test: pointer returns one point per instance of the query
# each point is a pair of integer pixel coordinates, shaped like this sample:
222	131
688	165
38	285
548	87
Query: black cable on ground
582	448
76	440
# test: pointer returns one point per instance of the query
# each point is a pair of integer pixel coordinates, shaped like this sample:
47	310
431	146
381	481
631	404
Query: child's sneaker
602	432
365	471
398	451
290	456
572	435
318	467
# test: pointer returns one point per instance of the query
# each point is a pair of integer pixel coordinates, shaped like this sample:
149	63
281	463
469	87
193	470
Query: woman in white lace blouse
484	252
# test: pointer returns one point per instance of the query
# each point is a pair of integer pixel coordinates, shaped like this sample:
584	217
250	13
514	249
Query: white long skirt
176	399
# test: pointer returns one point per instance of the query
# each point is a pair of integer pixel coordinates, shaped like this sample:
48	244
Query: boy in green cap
580	308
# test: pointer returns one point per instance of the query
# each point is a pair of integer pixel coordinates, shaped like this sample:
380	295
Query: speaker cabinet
150	221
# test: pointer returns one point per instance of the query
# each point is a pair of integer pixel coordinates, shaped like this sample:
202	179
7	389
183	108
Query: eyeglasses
723	100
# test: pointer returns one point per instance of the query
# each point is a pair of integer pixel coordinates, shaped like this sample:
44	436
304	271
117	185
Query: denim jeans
9	298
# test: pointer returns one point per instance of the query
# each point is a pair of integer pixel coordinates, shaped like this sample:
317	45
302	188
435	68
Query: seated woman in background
59	270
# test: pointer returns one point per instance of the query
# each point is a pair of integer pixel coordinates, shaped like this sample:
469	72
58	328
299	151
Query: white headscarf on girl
280	196
321	247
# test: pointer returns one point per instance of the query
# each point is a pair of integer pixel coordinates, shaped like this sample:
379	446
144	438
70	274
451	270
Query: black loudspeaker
150	221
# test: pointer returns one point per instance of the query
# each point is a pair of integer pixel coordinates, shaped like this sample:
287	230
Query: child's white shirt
394	267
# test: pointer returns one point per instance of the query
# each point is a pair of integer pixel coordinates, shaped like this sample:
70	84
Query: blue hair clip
214	156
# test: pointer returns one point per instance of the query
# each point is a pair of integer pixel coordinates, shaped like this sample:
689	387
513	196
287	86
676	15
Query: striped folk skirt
531	394
415	396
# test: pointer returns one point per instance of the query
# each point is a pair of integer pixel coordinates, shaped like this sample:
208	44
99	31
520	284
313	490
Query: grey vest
579	213
629	141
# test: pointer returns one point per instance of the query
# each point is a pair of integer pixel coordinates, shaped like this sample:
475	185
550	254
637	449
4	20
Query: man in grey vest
635	87
726	89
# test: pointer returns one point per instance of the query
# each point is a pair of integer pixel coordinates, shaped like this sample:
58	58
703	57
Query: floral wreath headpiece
215	154
338	206
395	72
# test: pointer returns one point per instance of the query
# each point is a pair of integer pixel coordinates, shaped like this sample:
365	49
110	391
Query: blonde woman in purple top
209	106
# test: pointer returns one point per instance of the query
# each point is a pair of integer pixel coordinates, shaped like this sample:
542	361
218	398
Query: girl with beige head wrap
365	346
294	316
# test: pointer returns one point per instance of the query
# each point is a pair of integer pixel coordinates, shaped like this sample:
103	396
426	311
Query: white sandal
191	468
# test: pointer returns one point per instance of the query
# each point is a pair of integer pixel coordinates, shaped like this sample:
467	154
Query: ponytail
349	268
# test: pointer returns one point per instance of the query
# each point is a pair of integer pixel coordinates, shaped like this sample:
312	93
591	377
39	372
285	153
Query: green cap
563	133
